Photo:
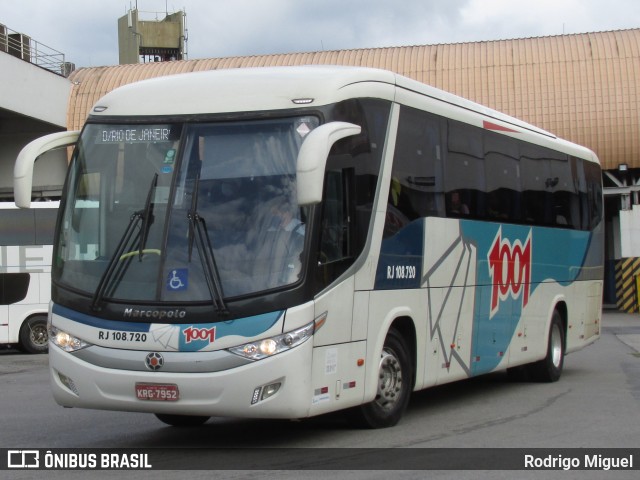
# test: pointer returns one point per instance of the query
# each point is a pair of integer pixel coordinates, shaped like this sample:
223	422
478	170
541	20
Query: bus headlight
268	347
65	341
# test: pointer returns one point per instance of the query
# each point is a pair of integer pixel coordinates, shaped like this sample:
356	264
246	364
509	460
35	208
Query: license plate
157	392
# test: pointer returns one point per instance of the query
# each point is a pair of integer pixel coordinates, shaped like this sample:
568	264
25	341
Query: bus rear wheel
394	386
34	336
182	420
549	369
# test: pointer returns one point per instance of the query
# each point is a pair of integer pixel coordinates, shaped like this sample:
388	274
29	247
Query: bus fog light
264	392
270	390
68	382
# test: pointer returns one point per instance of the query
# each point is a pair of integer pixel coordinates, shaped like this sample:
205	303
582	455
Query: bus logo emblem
194	334
154	361
510	270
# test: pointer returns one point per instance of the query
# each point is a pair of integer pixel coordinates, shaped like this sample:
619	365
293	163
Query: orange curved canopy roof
583	87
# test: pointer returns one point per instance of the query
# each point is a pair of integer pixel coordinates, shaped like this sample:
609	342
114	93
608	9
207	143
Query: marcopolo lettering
154	314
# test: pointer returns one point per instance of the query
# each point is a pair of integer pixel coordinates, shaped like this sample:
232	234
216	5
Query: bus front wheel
394	386
34	337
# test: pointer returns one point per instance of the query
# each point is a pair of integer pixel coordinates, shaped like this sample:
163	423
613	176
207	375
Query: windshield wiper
198	233
146	216
143	216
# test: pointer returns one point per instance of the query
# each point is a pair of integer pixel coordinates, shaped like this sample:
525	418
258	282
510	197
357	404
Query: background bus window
13	287
18	227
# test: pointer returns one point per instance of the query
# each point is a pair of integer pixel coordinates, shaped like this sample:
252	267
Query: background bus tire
550	368
394	387
182	420
34	336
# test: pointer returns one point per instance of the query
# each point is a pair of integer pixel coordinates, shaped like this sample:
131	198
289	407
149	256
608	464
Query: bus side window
337	229
336	224
465	171
416	189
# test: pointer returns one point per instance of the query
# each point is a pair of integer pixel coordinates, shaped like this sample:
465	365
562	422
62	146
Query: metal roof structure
582	87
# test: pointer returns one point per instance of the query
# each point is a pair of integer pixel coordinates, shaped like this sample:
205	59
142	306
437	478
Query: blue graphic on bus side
400	262
511	262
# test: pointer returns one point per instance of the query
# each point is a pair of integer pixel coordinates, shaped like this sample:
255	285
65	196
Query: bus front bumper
276	387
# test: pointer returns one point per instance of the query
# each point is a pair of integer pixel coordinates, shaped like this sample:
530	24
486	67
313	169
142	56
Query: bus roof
237	90
280	88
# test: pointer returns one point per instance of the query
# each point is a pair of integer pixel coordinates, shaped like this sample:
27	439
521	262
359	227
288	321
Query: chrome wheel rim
556	346
38	335
389	380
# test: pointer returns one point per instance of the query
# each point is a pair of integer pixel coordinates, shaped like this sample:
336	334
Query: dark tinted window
363	153
32	226
464	171
417	188
486	175
503	180
45	225
353	168
591	196
13	287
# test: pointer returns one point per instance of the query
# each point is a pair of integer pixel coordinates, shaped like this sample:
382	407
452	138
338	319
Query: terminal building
581	87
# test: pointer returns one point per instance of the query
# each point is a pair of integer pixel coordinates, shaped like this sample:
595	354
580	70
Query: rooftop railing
26	48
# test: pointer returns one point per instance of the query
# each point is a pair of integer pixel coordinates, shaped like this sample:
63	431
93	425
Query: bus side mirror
23	168
312	159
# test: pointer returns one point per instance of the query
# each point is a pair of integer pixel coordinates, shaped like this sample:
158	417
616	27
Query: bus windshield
174	213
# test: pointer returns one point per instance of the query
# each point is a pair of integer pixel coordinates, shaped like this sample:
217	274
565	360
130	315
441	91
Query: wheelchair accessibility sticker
178	280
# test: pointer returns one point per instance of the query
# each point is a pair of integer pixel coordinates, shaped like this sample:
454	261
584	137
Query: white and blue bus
287	242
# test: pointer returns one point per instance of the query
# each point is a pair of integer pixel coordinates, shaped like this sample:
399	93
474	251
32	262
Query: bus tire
34	335
549	369
182	420
394	386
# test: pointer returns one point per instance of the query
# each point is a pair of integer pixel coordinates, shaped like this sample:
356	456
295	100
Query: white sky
86	30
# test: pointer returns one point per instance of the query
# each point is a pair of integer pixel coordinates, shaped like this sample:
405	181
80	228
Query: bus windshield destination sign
135	135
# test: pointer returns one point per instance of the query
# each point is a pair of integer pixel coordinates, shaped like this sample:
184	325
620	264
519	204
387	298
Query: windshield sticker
178	280
170	157
303	130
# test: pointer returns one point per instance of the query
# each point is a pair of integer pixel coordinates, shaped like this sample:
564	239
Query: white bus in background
287	242
26	238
